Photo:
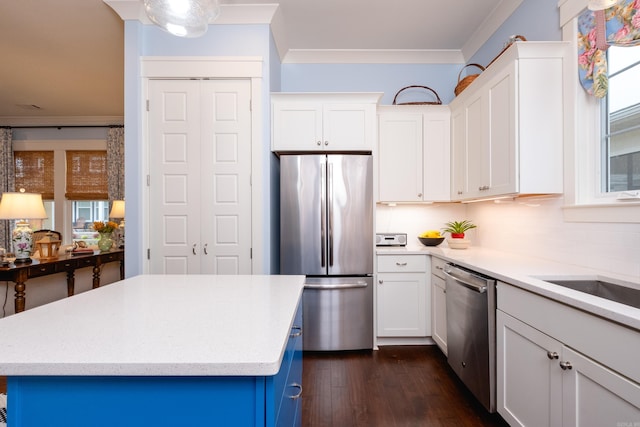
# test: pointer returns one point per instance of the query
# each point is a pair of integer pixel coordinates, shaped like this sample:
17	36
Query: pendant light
183	18
600	4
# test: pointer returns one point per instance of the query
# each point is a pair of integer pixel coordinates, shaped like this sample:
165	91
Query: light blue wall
537	20
386	78
220	40
534	19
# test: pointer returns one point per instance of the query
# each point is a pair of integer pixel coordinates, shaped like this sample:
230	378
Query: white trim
373	56
214	67
63	121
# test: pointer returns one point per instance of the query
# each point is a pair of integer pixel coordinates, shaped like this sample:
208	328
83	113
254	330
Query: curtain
115	163
7	181
618	26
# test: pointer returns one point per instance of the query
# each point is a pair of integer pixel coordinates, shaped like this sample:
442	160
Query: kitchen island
159	350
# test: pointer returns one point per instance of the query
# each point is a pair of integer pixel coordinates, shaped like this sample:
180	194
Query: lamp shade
117	209
183	18
22	206
600	4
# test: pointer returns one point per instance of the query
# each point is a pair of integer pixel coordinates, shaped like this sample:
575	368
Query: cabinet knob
319	143
380	281
565	365
326	143
420	195
552	355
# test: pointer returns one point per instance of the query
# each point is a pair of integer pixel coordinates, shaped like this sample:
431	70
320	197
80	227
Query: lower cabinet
403	296
543	381
438	304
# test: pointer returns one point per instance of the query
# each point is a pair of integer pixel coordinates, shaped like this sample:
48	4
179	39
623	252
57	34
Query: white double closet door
199	176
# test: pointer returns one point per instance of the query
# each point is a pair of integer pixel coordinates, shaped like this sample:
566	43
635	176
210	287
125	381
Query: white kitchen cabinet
323	122
402	296
507	126
414	153
438	304
558	366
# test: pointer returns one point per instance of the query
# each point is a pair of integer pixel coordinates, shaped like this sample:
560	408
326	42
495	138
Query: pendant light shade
183	18
601	4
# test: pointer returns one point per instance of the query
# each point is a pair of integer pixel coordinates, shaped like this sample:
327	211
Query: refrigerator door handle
323	214
330	195
351	285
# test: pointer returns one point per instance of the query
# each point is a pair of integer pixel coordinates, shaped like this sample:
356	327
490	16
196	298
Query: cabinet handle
193	249
326	143
401	264
459	192
296	331
380	281
552	355
565	365
318	143
439	267
206	252
297	395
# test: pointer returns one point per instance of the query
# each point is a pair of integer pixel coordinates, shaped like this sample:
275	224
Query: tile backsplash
531	227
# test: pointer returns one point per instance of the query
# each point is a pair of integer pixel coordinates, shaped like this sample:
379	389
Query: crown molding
61	121
373	56
133	10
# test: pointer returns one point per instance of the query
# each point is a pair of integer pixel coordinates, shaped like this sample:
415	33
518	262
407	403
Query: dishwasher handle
473	286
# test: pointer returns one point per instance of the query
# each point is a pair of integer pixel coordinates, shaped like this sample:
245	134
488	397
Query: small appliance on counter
391	239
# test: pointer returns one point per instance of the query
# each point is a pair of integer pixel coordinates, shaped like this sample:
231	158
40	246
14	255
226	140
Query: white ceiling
63	60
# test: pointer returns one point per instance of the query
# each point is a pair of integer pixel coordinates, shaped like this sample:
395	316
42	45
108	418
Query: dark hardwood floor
396	386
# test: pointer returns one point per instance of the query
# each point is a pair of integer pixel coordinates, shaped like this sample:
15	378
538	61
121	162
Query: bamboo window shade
87	175
34	172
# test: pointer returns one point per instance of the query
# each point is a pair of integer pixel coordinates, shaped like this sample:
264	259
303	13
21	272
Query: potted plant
458	228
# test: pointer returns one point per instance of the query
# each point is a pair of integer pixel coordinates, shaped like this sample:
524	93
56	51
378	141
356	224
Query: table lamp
20	207
117	212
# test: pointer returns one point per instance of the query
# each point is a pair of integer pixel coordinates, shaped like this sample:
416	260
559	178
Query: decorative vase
105	243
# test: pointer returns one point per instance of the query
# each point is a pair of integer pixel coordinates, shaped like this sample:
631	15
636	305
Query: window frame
583	199
62	207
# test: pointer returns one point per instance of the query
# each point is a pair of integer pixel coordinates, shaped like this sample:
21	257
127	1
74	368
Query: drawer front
41	270
437	266
86	262
67	265
110	257
402	263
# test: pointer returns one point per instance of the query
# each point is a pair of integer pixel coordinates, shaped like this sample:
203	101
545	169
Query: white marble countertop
174	325
528	272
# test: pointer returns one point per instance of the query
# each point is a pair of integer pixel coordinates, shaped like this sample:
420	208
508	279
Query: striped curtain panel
7	182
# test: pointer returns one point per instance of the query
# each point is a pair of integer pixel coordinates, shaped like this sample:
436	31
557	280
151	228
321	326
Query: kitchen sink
601	288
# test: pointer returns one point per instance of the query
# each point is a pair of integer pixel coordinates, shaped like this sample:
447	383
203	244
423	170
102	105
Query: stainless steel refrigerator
326	233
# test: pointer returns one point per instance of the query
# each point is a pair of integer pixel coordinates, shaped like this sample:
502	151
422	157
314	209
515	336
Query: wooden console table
19	273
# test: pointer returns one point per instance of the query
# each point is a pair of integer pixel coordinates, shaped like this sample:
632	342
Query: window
80	183
621	122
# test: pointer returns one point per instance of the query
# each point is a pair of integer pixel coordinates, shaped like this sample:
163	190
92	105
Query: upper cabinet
414	153
507	126
323	121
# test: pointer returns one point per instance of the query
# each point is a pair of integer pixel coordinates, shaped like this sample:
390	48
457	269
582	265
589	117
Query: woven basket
512	40
437	102
462	84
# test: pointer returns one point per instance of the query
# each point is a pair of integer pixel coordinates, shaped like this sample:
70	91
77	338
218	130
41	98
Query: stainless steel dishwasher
471	331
